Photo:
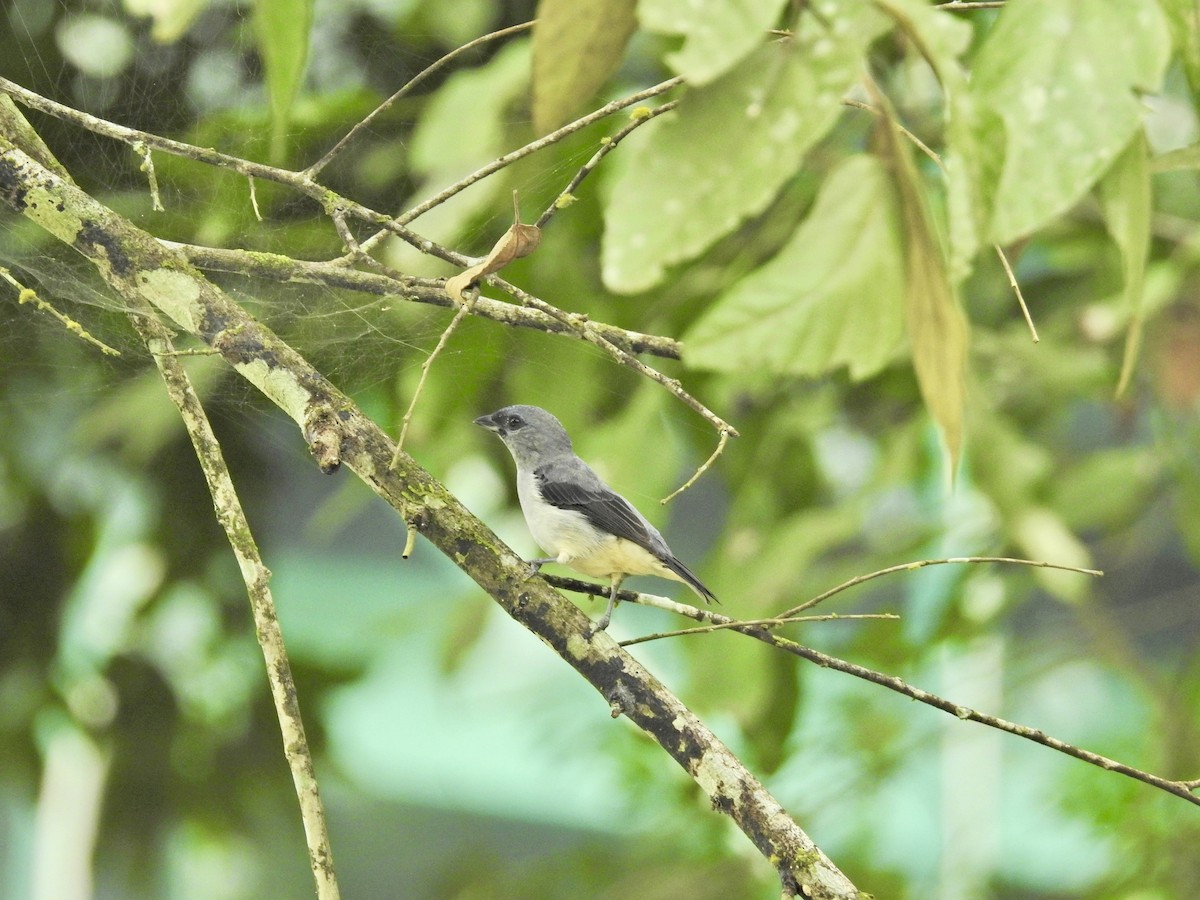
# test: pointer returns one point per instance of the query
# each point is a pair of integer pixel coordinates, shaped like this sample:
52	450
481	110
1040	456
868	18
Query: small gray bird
576	516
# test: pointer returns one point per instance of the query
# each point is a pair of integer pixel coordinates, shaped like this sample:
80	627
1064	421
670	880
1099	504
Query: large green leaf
834	295
715	41
281	29
577	45
1126	196
1064	78
698	173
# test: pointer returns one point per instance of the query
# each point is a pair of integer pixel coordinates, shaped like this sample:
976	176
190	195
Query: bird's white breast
568	535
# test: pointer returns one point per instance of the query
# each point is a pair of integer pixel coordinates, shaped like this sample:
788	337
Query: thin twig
254	199
607	145
722	440
1012	280
313	170
29	295
961	5
410	541
295	180
922	563
232	518
533	147
766	623
917	142
147	166
463	311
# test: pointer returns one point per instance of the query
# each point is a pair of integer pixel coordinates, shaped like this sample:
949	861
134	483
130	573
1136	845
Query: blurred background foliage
458	758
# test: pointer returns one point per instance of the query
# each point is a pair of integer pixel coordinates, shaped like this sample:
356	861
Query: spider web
205	87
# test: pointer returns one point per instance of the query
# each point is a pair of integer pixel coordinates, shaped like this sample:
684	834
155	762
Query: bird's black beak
488	422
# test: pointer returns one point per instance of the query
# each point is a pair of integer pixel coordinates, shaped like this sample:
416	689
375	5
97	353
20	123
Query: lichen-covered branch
337	432
284	269
233	520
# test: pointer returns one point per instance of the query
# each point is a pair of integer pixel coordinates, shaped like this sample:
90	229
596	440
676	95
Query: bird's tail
685	575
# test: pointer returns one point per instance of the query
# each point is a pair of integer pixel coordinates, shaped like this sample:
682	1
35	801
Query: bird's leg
535	565
603	621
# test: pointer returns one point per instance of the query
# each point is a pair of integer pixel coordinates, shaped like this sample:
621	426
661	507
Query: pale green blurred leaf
1042	535
171	18
1126	197
701	171
1174	160
577	45
834	295
714	42
1067	96
1106	489
281	29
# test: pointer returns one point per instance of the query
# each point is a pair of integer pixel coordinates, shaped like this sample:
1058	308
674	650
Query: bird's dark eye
512	423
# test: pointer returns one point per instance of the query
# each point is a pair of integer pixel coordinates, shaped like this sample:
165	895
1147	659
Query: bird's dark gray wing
580	489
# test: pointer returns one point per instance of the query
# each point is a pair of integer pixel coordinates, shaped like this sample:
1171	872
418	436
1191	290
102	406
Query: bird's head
530	433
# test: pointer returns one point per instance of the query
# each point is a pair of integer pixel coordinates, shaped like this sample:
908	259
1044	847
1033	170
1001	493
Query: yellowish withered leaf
937	327
577	45
520	240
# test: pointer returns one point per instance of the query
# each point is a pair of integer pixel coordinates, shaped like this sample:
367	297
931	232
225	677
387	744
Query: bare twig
315	169
147	166
746	623
722	440
1012	280
921	564
463	311
29	295
534	146
962	5
566	196
254	199
410	541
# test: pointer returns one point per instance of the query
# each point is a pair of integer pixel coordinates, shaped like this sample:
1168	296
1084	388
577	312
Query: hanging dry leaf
520	240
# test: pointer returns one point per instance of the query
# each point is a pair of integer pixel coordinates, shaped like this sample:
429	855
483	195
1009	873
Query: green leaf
1126	196
171	18
713	42
281	28
834	295
1177	160
696	174
1064	78
577	45
937	327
